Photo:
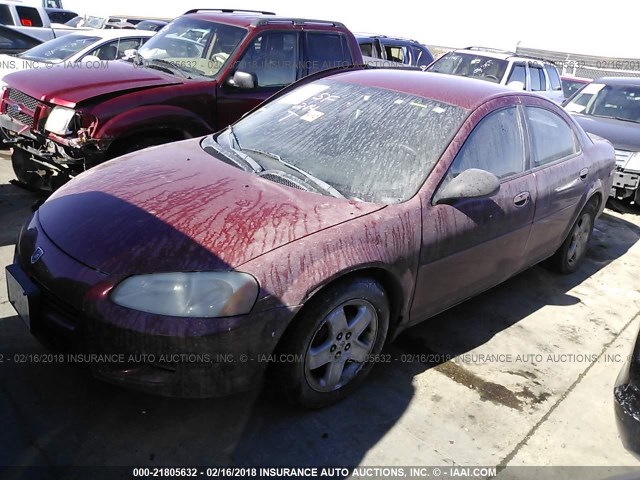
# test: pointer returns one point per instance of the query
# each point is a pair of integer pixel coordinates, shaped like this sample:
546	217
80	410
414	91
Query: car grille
621	157
21	107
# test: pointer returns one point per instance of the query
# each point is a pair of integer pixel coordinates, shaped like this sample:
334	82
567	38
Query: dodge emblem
37	255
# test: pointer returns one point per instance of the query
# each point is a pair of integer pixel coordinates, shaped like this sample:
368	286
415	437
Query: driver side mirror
242	80
472	183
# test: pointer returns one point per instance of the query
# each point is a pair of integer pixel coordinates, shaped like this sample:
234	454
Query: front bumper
69	310
625	184
627	409
60	153
16	127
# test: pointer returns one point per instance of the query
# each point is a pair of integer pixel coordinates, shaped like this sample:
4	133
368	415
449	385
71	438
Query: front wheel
569	256
332	342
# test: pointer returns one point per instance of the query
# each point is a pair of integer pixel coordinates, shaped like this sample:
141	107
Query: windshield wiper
255	166
246	162
322	184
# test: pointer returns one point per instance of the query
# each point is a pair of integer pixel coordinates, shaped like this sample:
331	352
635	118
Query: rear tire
330	346
570	255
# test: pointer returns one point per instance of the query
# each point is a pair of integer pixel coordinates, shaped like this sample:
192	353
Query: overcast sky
580	27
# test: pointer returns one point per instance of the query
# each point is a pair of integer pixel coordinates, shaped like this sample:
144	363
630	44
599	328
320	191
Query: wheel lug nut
339	337
333	348
338	354
347	346
348	336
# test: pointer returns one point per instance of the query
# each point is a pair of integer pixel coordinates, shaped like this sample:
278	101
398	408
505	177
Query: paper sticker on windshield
303	93
311	116
438	110
593	88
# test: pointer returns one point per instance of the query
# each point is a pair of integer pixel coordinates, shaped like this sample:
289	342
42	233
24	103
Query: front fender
387	240
152	117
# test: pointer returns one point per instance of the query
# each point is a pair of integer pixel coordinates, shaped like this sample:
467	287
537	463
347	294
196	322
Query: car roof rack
508	52
295	21
492	50
228	10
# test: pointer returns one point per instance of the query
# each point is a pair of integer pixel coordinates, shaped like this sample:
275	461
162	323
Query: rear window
29	17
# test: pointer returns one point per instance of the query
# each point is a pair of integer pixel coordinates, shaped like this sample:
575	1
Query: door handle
521	199
583	173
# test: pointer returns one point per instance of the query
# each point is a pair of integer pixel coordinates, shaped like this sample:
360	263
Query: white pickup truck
31	18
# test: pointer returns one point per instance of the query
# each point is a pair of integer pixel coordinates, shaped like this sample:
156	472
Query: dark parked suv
396	50
199	74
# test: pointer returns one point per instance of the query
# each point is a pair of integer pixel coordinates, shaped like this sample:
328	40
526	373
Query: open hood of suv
70	84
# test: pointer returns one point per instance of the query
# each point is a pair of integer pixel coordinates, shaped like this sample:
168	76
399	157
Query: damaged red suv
199	74
304	237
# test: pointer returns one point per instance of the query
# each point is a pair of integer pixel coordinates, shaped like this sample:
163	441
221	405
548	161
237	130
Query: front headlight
195	294
633	164
59	120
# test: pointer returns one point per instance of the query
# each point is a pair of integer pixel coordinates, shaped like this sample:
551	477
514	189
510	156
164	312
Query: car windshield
197	46
569	87
370	144
614	101
87	22
470	65
59	49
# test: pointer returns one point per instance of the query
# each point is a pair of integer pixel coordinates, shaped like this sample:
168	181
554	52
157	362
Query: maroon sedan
347	208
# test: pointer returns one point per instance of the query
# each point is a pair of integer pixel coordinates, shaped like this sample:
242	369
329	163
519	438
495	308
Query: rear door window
551	137
534	76
554	78
397	53
326	50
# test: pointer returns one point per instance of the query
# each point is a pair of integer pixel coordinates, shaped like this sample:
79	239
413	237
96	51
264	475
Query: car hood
70	84
623	135
176	208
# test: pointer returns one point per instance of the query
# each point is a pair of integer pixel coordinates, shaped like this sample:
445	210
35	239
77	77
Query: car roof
247	19
633	81
576	79
110	34
500	54
366	36
460	91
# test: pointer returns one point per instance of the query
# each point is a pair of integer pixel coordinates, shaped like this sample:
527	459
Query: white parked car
505	68
85	45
